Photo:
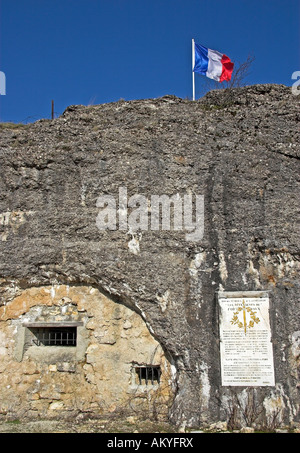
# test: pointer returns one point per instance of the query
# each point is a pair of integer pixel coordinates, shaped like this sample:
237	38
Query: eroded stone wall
96	376
237	149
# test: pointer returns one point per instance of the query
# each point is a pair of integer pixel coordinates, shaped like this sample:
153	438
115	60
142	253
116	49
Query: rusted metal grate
54	336
148	375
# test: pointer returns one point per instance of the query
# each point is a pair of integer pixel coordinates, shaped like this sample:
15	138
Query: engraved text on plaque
245	340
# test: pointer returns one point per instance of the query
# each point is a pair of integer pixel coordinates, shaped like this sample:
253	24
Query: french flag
212	63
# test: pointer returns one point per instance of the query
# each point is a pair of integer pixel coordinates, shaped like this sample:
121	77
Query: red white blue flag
212	64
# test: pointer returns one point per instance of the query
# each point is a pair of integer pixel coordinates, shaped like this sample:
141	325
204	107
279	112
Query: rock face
241	153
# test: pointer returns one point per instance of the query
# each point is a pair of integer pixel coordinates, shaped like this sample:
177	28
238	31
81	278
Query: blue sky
99	51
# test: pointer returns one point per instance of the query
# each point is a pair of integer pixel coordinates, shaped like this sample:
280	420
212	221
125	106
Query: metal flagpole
193	64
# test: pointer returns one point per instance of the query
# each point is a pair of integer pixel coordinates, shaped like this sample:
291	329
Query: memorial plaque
245	339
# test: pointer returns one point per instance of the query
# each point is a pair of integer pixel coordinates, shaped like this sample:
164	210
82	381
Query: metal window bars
148	375
54	336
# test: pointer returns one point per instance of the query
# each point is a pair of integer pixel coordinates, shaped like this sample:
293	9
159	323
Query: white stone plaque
245	339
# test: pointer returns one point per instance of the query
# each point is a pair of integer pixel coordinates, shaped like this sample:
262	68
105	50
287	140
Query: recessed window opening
54	336
148	375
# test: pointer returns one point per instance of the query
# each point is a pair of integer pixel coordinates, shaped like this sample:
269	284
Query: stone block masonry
94	377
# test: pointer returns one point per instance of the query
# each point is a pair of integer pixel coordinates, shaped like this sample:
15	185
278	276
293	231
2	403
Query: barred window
148	375
54	336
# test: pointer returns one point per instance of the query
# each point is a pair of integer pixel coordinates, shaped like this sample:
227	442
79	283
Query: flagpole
193	64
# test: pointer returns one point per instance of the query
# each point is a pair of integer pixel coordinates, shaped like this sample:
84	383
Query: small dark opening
148	375
54	336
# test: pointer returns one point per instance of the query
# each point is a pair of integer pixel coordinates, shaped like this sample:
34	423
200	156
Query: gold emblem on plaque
245	311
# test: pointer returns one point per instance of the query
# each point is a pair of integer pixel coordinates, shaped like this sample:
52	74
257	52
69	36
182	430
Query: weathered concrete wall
241	153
